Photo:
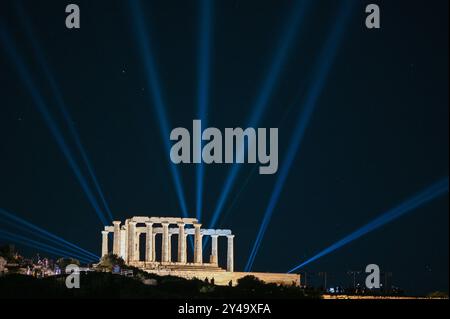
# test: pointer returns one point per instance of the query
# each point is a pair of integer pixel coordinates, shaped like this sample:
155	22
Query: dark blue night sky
376	134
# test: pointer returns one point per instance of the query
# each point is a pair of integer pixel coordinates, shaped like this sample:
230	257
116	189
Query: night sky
378	134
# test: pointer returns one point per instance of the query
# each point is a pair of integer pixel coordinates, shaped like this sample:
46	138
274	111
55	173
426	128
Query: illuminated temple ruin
127	244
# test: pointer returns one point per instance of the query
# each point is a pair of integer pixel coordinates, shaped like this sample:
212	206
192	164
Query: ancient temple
127	244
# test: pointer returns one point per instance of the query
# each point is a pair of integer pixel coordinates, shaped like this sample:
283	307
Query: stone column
230	254
116	240
137	251
154	247
125	237
131	237
123	243
104	243
165	242
170	248
181	244
198	249
149	242
214	254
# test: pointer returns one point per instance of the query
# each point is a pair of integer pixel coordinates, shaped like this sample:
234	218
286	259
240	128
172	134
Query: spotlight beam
155	89
326	59
61	104
42	233
203	87
238	195
263	98
434	191
41	246
61	245
252	172
49	121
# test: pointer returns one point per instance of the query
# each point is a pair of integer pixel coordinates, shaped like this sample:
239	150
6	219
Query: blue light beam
154	88
326	59
61	245
49	121
436	190
62	105
44	234
203	63
38	245
252	172
263	98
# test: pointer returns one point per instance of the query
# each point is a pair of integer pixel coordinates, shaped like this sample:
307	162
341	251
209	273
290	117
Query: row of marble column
132	242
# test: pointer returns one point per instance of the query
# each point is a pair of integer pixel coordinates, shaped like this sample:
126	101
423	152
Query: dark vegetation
141	285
